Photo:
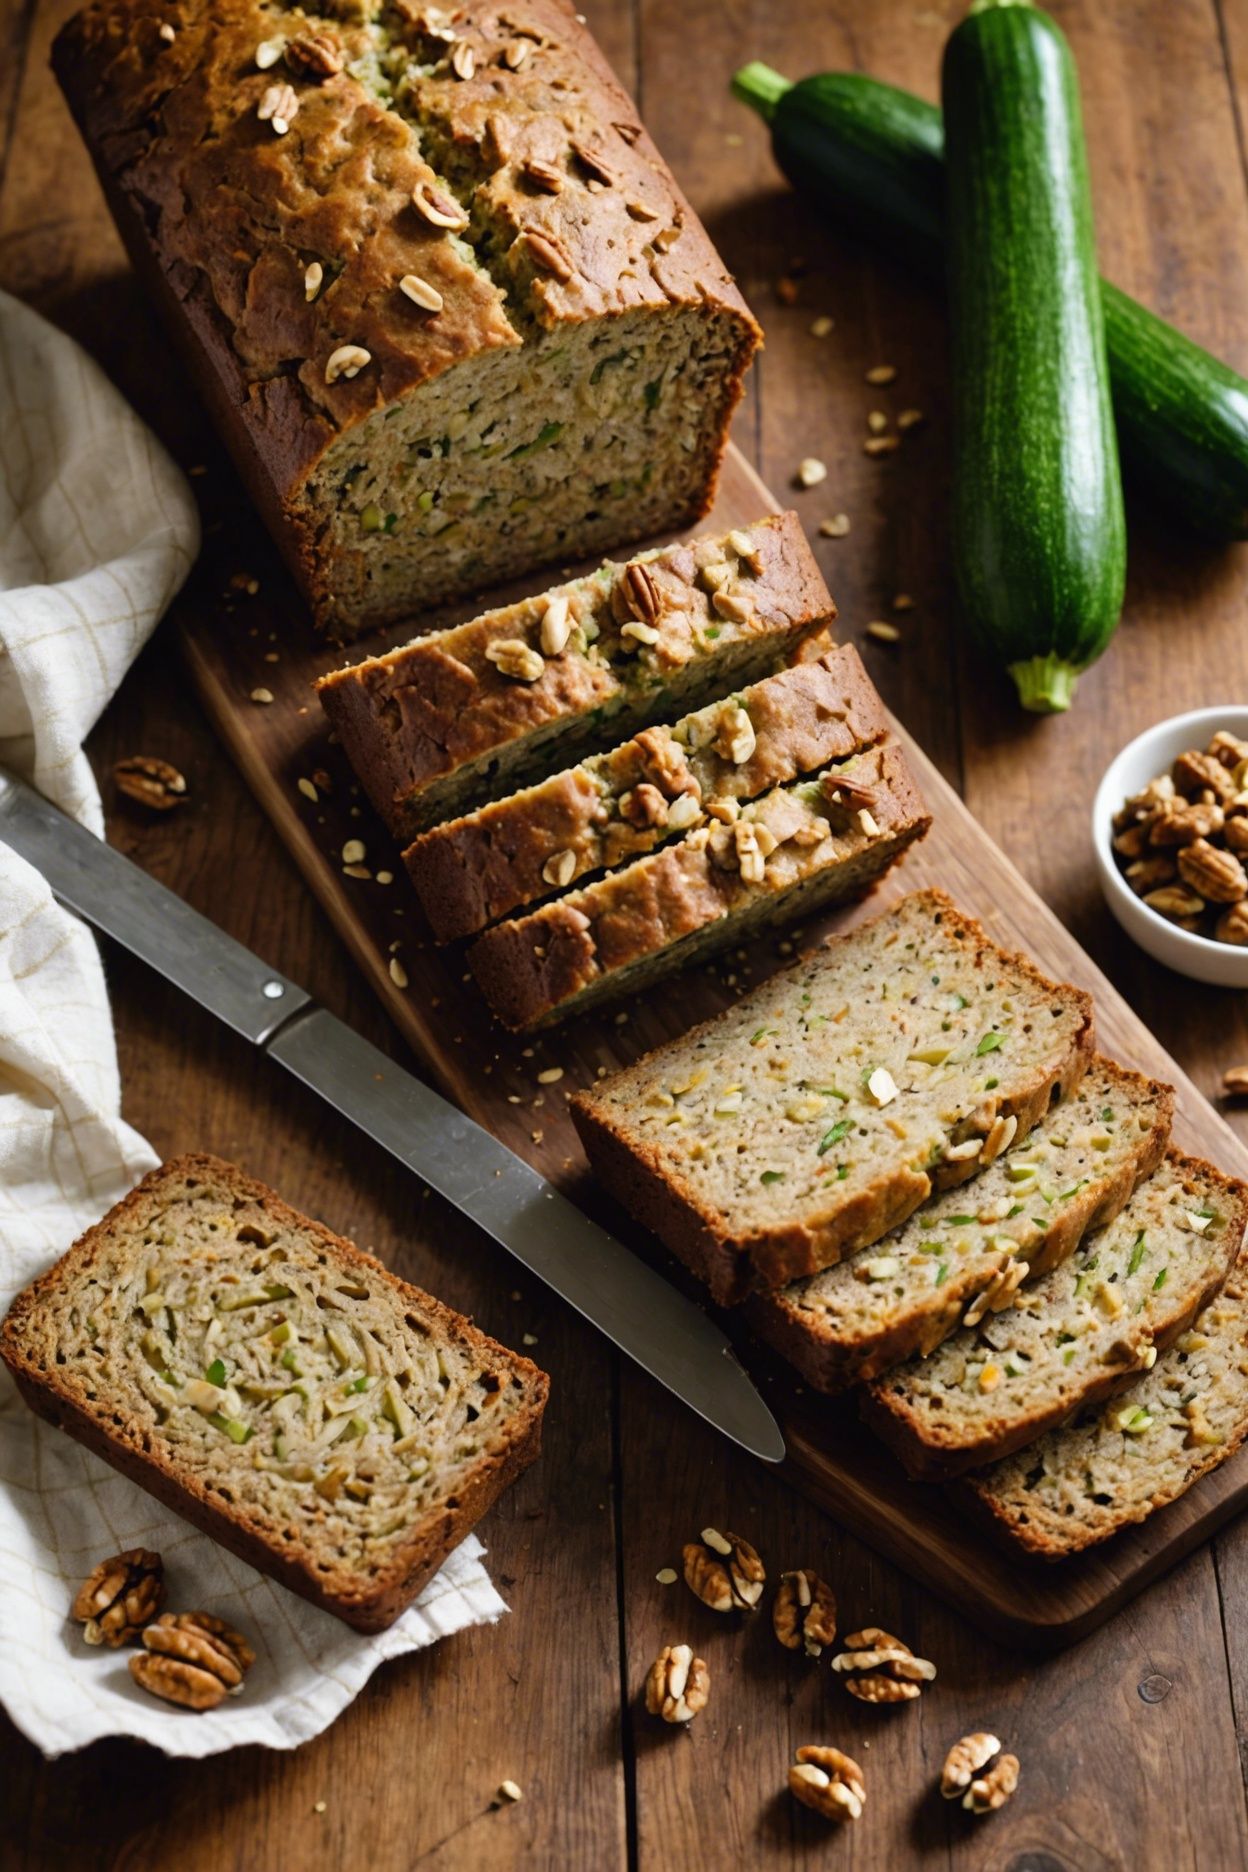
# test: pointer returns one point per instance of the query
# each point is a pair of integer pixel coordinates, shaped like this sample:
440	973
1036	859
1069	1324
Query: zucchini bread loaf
1078	1335
821	1110
328	1423
612	807
819	842
967	1250
1118	1462
448	305
436	726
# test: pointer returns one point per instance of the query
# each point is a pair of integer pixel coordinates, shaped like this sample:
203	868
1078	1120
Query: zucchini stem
1046	684
760	87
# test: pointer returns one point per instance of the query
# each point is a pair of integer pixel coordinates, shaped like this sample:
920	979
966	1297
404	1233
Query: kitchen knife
634	1307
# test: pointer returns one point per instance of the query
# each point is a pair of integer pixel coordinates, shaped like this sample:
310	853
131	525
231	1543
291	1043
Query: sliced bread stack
904	1155
617	859
465	714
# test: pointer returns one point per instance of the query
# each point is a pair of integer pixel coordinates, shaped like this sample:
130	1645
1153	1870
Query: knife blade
640	1312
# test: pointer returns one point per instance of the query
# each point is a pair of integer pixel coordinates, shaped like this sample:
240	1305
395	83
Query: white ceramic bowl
1141	760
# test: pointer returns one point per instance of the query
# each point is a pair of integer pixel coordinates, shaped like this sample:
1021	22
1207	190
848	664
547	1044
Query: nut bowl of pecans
1170	832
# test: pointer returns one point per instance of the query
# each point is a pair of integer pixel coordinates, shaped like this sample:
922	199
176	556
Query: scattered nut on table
121	1596
150	781
193	1659
803	1613
724	1571
825	1779
963	1778
678	1684
879	1668
1235	1082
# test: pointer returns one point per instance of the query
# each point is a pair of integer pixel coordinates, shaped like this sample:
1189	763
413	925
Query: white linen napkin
97	532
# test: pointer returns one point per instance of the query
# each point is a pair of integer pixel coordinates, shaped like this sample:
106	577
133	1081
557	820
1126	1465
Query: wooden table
1129	1741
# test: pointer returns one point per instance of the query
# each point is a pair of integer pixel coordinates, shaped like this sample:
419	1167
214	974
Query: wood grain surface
1131	1740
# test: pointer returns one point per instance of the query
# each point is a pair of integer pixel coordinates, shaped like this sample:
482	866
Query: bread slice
328	1423
1078	1335
908	1292
822	841
1117	1463
468	713
770	1142
612	807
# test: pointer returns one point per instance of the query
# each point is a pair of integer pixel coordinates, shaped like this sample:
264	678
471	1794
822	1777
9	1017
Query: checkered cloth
97	532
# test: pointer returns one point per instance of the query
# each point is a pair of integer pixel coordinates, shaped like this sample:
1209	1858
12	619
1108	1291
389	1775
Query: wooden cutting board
253	660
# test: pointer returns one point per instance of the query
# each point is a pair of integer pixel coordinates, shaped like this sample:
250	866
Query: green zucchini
874	156
1039	537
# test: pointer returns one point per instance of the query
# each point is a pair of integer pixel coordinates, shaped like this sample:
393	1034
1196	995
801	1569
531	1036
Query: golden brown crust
733	1265
533	968
473	870
832	1359
367	1602
229	214
430	708
921	1447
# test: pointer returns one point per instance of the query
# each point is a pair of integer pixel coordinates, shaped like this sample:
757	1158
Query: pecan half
315	56
150	781
879	1668
678	1684
804	1612
830	1782
1216	875
192	1658
1232	925
638	594
120	1597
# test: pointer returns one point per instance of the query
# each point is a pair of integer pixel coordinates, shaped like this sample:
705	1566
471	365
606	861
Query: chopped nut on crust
511	656
120	1597
678	1684
879	1668
830	1782
804	1613
315	56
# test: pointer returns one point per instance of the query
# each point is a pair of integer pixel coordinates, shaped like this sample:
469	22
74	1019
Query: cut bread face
1077	1336
1116	1463
334	1426
774	858
614	807
586	436
460	715
1028	1210
819	1112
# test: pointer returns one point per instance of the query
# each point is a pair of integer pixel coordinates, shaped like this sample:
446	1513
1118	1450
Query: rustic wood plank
410	1769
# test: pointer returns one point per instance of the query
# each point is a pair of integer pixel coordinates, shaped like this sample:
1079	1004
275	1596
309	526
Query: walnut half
678	1684
121	1596
879	1668
804	1613
724	1572
963	1777
825	1779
